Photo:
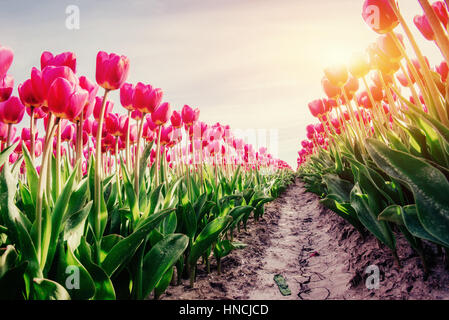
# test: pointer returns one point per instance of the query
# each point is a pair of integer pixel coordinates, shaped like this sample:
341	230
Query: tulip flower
189	116
38	113
176	120
111	70
68	133
146	99
6	58
37	84
443	71
49	75
388	47
423	25
115	124
11	111
317	108
98	105
441	12
162	114
359	65
337	75
6	87
127	96
67	59
331	91
66	100
402	79
351	86
92	89
136	115
379	15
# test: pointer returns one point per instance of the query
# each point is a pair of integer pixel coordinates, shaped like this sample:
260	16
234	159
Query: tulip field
129	201
101	205
378	155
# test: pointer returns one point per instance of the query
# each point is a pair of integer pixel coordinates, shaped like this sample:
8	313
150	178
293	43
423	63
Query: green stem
98	169
137	158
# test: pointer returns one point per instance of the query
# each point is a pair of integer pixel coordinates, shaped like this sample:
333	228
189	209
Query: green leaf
4	155
337	186
130	194
73	275
429	186
369	218
411	221
74	227
104	289
50	241
207	237
161	258
45	289
31	173
393	214
125	249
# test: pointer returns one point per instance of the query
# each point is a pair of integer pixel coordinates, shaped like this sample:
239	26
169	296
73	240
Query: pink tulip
176	120
26	134
97	108
115	124
28	96
37	84
92	89
379	15
6	58
87	126
166	135
441	12
443	71
66	100
111	70
317	108
423	25
136	115
330	90
6	87
189	116
11	111
126	96
146	99
151	125
69	133
3	132
39	113
50	74
67	59
162	114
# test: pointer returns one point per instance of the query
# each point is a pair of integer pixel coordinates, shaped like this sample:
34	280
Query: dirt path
319	255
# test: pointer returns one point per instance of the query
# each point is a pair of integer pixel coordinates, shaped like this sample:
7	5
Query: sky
252	64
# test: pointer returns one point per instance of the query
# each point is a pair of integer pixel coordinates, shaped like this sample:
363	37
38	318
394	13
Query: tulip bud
317	108
111	70
67	59
337	75
6	87
126	96
11	111
359	65
162	114
379	15
6	58
423	25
